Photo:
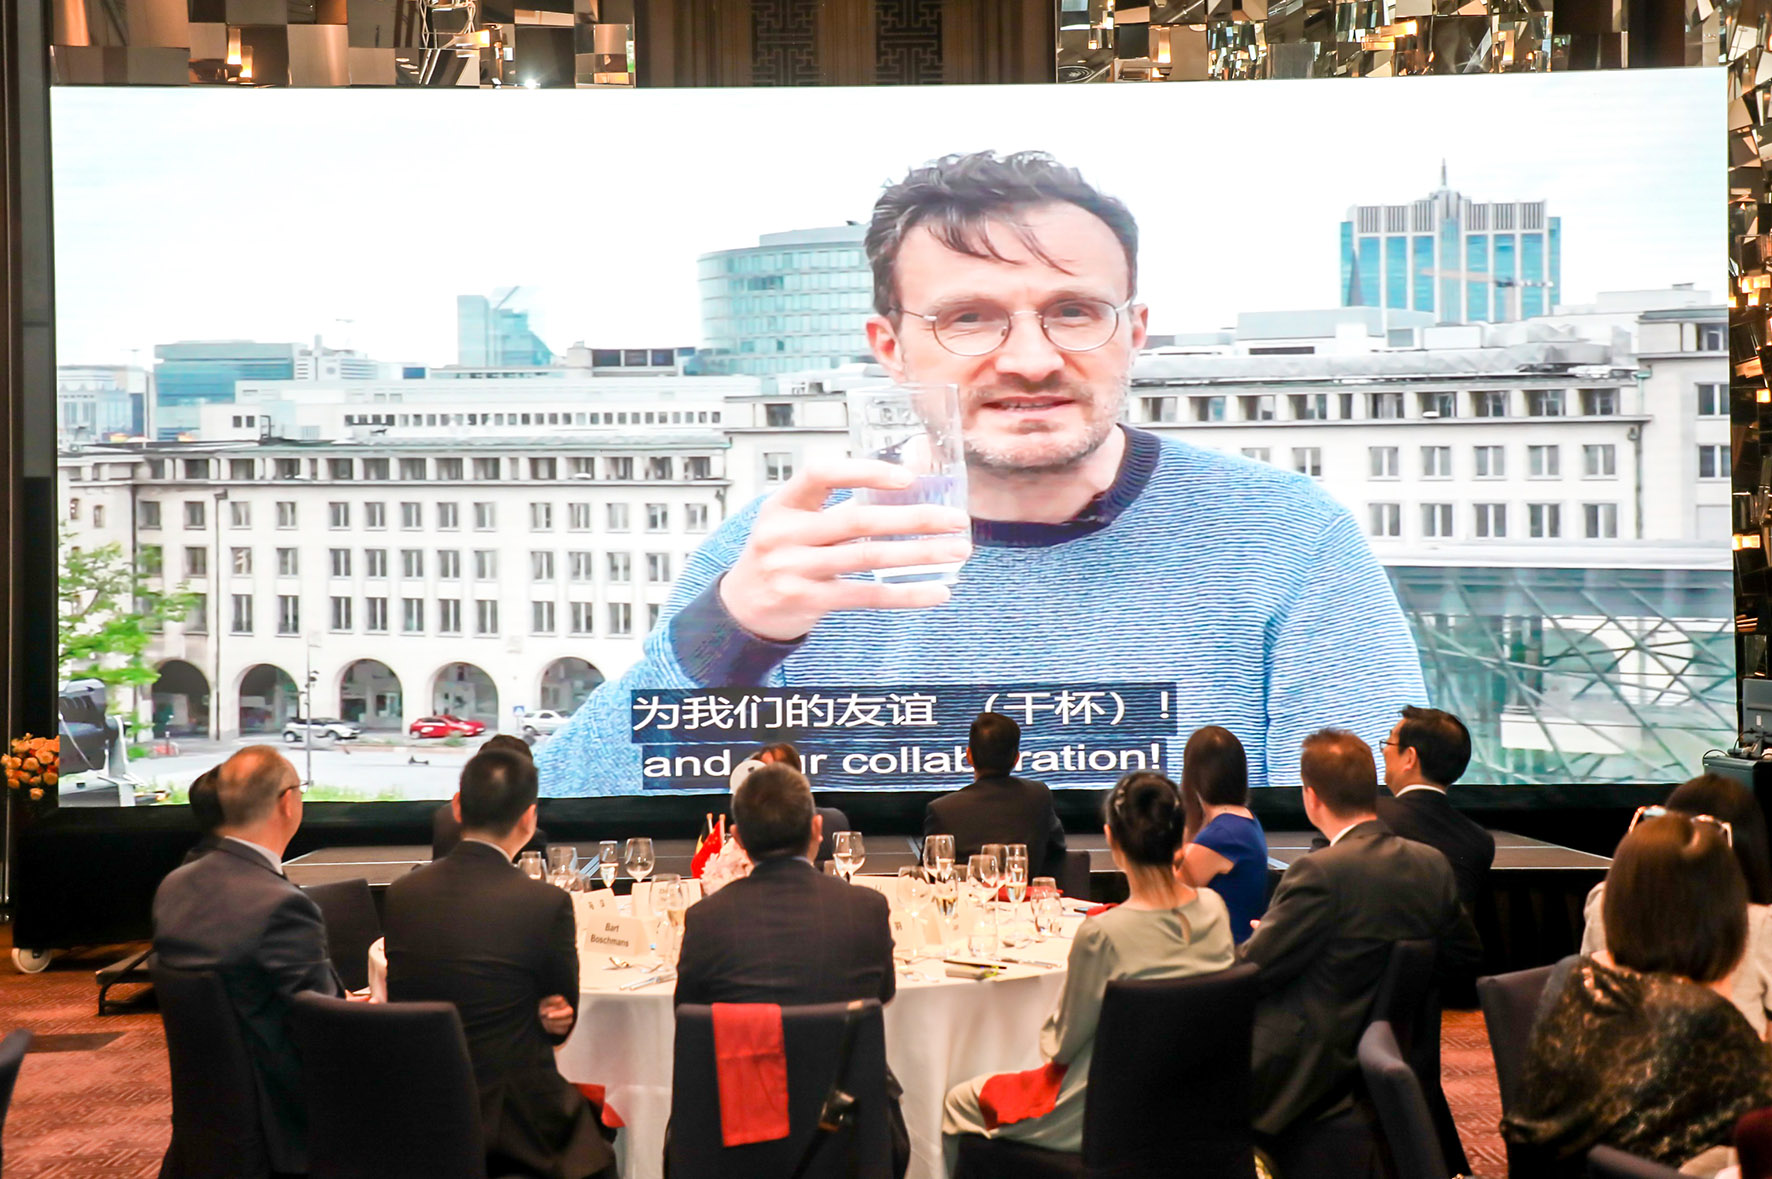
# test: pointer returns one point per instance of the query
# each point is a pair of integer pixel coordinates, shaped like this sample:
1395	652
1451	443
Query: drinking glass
916	426
675	903
848	853
532	865
1015	872
562	857
938	856
608	862
1043	892
913	897
982	875
640	859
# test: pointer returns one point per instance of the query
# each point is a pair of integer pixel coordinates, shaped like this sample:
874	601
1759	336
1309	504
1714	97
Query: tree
110	614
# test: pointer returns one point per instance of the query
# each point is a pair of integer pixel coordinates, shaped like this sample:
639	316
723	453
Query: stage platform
1530	915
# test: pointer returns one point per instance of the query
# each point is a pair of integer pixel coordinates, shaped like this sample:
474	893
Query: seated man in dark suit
1326	939
999	808
446	823
232	911
472	930
786	933
1427	752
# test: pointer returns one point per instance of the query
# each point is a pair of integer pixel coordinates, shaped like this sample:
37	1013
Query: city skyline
360	250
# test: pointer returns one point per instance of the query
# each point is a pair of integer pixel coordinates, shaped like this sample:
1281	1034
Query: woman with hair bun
1165	929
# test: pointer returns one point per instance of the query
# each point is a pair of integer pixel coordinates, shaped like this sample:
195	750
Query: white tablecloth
937	1035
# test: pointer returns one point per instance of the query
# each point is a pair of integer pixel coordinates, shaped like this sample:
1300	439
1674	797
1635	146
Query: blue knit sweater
1244	589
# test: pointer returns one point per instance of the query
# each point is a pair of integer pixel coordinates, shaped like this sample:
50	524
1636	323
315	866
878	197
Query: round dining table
938	1033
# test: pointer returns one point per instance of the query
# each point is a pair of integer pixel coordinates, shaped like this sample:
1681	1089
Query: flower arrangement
33	764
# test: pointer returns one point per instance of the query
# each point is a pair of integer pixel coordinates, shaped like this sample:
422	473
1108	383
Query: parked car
324	728
464	726
536	724
436	726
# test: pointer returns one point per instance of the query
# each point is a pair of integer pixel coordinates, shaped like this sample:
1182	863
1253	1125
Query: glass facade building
1463	261
794	301
491	335
192	374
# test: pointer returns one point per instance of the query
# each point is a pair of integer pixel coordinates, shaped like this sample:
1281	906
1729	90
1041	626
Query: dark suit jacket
228	912
1428	816
1323	947
1001	810
787	934
472	930
446	833
206	843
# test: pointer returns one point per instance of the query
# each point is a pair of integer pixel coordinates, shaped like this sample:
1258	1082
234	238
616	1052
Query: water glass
918	427
938	856
562	857
674	902
608	862
1048	911
640	858
532	865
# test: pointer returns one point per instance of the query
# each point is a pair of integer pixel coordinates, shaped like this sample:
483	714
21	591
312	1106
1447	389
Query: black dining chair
1408	1001
1606	1162
1169	1088
1510	1004
1073	874
390	1090
12	1055
216	1130
1403	1113
812	1039
352	925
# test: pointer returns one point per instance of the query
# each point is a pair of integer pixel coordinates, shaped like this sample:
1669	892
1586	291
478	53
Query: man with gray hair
233	912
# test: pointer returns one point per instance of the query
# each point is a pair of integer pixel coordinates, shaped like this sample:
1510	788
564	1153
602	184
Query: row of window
485	469
1490	522
618	567
1393	406
1598	461
442	616
616	517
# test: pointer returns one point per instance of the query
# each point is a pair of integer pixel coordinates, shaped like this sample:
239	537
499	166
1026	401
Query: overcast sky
279	214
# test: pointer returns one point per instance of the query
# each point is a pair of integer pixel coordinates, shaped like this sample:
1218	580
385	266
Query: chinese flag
713	838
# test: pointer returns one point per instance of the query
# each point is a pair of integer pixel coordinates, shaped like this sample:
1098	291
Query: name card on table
886	886
623	937
641	899
600	901
910	934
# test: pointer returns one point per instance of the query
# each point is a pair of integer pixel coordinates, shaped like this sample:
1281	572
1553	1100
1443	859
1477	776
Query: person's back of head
497	788
773	813
1145	816
248	786
1733	803
781	753
995	744
1675	902
205	807
1441	743
509	744
1337	767
1215	767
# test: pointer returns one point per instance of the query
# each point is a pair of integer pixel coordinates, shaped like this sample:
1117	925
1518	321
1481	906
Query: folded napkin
1016	1097
1100	909
751	1067
595	1095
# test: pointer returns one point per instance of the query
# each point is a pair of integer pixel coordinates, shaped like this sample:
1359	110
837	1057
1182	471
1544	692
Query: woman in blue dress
1226	848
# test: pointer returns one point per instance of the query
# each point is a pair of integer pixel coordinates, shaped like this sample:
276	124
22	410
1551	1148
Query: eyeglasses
1661	812
978	329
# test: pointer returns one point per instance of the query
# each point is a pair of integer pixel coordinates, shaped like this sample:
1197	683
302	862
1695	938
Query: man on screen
1094	552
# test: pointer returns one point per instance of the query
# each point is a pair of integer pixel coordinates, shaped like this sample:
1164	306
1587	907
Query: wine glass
913	895
608	862
981	886
848	853
938	856
675	903
531	864
562	865
640	859
1015	872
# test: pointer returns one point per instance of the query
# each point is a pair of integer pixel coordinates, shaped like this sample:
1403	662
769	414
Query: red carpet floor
97	1106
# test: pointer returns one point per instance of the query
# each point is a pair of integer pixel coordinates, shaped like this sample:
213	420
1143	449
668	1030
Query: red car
445	726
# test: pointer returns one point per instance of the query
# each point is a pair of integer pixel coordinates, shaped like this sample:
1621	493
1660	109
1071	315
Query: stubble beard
1102	415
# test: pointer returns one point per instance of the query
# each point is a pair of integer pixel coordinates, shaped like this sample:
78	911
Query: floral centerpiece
33	766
